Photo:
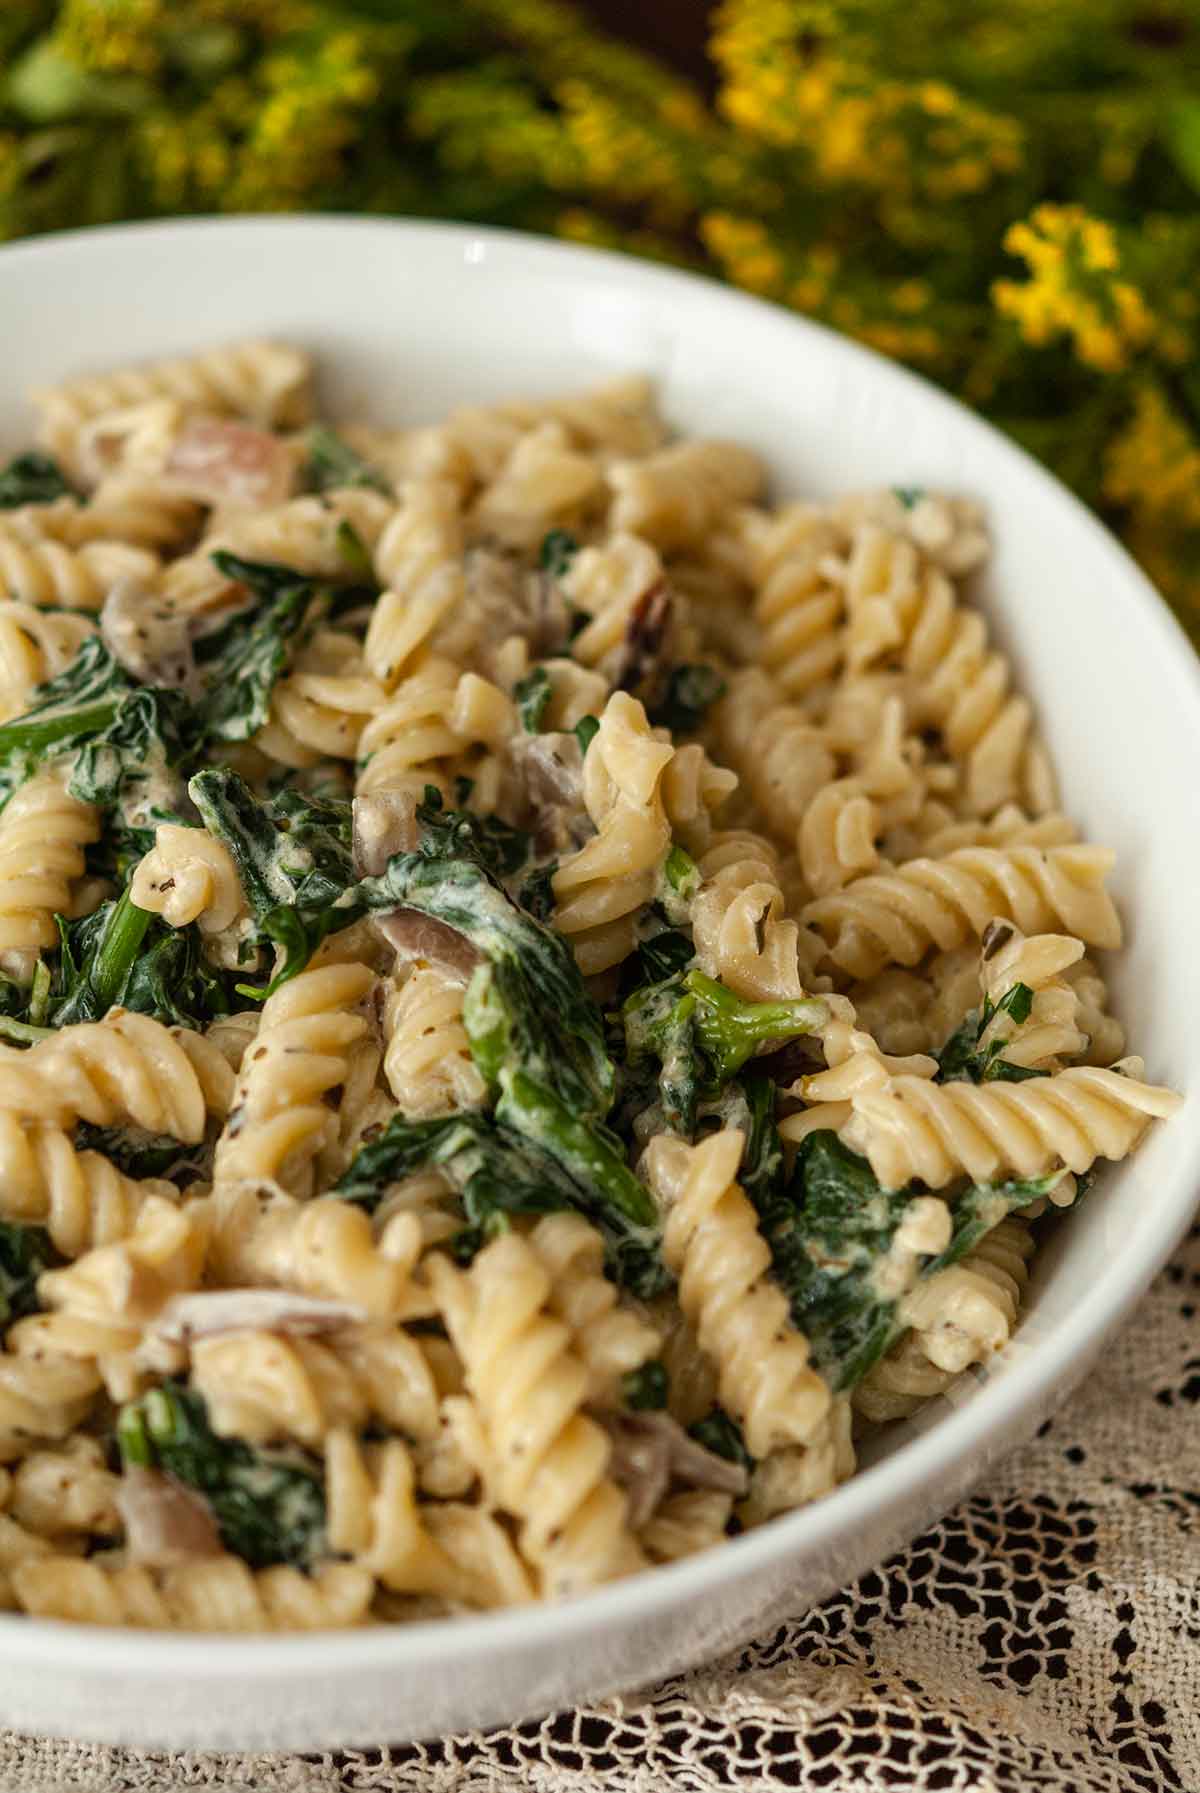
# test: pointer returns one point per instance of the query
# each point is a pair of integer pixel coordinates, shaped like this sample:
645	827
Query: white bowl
408	319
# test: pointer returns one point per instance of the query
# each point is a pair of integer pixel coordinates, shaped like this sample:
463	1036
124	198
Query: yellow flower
1153	464
113	36
1071	258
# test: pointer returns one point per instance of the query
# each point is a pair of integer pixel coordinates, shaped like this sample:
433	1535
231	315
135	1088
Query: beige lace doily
1045	1638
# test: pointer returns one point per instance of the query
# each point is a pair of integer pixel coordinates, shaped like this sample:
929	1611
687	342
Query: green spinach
269	1506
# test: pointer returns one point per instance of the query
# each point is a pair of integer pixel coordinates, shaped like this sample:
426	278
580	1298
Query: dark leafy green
460	834
828	1232
33	479
145	751
703	1034
293	857
527	1002
243	660
718	1433
585	732
68	709
123	954
330	462
141	1154
25	1251
269	1506
646	1389
533	694
689	693
963	1057
559	548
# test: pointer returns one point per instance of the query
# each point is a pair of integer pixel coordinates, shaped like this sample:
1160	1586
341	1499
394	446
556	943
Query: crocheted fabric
1044	1638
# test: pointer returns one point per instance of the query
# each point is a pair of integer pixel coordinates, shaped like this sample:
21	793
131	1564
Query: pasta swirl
713	1245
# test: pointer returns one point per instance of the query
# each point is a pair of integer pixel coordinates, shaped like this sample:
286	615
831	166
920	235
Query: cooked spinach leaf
703	1034
123	954
68	709
559	548
25	1251
690	692
533	694
136	769
460	834
242	661
269	1506
646	1389
293	857
963	1057
829	1232
718	1433
33	478
330	462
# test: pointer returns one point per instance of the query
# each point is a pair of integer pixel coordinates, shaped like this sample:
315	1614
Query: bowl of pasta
583	865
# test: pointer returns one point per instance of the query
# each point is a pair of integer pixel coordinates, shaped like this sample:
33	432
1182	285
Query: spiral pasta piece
418	557
458	1552
895	916
267	382
601	889
126	1068
800	1473
51	574
71	1490
280	1119
1050	1033
610	1338
43	834
81	1198
902	608
188	875
741	933
207	1594
958	1317
712	1243
44	1392
35	645
264	1387
675	496
611	583
546	1462
544	484
319	708
908	1126
433	717
798	609
324	1247
782	758
427	1060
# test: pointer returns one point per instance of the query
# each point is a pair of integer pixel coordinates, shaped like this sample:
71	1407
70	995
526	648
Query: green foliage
243	660
269	1506
925	179
460	834
722	1435
123	954
538	1039
32	478
828	1232
968	1057
702	1035
689	693
25	1251
67	710
646	1389
293	858
330	462
533	694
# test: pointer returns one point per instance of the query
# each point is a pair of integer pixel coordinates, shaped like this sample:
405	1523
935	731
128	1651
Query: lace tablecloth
1045	1638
